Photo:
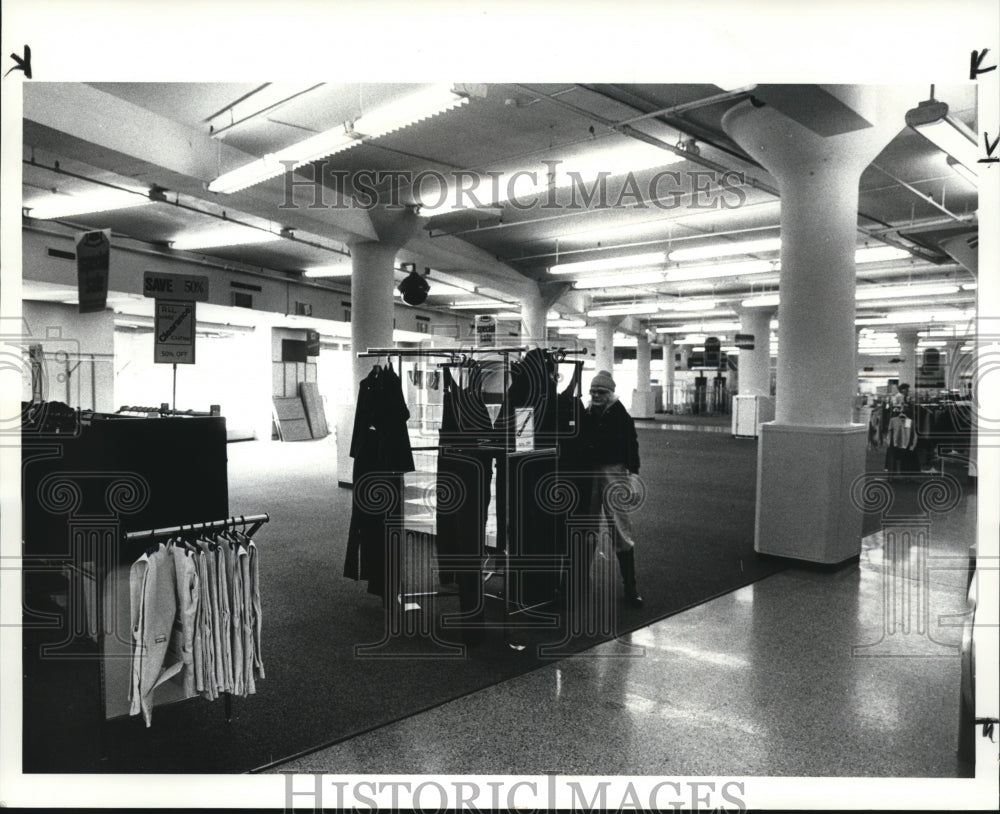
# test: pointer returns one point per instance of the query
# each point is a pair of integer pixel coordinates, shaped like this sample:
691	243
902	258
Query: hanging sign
93	257
486	330
173	341
190	287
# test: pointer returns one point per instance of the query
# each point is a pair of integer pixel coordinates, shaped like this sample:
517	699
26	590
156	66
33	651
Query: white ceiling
159	135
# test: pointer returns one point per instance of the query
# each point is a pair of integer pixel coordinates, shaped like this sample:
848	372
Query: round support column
755	365
642	398
812	439
908	353
533	321
604	347
668	373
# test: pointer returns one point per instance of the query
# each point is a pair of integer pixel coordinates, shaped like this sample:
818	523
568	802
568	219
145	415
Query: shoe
626	562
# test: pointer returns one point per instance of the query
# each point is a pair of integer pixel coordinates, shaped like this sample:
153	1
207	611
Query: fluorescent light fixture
769	244
629	308
688	305
381	121
763	301
930	118
713	327
900	291
608	263
877	254
267	97
908	317
566	323
620	280
473	305
584	172
508	315
723	270
970	286
97	200
964	171
230	235
341	270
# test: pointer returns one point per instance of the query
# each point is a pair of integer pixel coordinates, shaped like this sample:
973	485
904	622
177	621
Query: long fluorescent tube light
620	280
608	263
901	291
876	254
623	310
769	244
474	305
381	121
688	305
962	170
723	270
342	270
715	327
763	301
930	118
98	200
267	97
231	235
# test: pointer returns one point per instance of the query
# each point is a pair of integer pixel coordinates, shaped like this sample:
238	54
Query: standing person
611	452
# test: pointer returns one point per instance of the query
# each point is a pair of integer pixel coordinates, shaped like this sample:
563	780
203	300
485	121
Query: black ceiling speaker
414	289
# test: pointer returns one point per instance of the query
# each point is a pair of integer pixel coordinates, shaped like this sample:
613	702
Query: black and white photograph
500	406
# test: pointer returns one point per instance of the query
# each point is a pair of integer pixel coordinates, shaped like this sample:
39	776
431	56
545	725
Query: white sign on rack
173	340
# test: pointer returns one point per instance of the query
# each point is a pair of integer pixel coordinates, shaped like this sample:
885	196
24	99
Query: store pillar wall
755	365
533	310
668	374
908	353
642	398
604	348
812	439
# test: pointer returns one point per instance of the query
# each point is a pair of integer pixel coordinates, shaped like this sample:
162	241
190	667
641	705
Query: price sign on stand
173	341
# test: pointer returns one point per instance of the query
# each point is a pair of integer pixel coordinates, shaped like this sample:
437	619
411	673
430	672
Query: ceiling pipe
922	195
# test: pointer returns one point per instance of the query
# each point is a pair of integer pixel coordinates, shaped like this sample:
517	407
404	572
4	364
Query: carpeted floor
695	534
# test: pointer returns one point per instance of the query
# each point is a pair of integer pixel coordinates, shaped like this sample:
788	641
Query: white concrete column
642	398
533	320
951	364
372	302
668	372
372	285
812	439
604	347
755	365
908	353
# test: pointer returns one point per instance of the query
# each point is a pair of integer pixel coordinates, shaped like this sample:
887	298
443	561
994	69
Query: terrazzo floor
807	673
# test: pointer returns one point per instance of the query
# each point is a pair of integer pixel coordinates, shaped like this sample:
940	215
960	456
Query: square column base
804	505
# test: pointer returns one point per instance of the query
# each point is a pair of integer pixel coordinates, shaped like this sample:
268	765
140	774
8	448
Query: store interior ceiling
700	215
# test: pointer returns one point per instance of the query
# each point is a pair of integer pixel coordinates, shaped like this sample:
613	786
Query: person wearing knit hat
611	449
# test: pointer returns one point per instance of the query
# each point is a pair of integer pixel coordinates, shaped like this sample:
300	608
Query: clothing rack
250	523
461	354
254	521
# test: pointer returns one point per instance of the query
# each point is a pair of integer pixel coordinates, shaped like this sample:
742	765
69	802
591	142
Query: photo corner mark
21	63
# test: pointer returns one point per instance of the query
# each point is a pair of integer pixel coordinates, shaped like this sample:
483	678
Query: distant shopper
611	452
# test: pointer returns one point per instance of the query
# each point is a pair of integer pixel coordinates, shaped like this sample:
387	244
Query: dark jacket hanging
465	471
381	450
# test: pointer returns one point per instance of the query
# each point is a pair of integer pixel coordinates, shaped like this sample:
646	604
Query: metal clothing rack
461	353
250	524
254	521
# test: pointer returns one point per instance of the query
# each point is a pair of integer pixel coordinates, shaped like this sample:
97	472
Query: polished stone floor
850	672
